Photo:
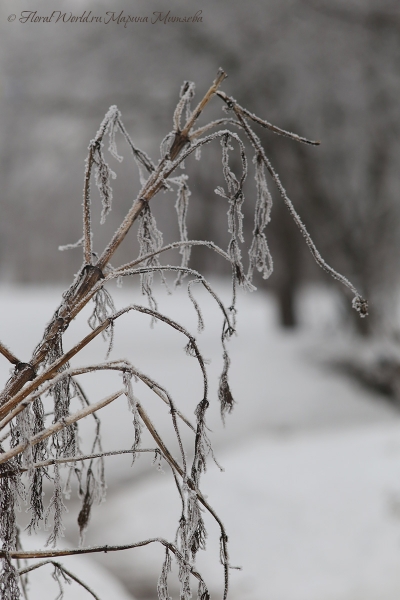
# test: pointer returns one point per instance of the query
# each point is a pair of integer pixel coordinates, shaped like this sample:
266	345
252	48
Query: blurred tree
329	69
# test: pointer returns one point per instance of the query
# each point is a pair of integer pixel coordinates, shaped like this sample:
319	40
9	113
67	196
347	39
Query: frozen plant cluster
39	438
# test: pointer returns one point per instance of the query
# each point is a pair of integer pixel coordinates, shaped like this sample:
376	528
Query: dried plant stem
174	465
231	103
172	462
52	370
141	259
78	458
26	372
25	555
117	365
161	394
8	354
122	231
217	123
182	137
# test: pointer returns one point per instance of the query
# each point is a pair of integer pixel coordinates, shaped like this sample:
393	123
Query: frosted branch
231	103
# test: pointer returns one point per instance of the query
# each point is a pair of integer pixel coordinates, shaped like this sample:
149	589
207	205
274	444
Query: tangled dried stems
37	450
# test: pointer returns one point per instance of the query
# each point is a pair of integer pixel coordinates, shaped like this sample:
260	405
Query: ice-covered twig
202	130
77	458
29	554
183	244
231	103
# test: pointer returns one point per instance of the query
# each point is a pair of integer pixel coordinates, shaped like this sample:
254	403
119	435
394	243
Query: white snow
310	495
309	517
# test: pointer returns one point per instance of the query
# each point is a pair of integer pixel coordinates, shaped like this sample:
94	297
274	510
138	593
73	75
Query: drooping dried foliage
40	439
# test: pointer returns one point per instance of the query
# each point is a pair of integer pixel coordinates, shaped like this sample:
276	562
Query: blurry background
325	69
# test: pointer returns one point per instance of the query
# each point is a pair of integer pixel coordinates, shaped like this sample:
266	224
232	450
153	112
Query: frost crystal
260	256
182	204
162	586
103	307
56	506
150	240
127	379
224	392
103	175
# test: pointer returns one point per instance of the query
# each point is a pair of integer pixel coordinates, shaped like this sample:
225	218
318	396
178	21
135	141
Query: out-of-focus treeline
326	69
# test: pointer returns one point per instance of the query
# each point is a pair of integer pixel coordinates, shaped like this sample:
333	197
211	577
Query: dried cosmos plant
40	433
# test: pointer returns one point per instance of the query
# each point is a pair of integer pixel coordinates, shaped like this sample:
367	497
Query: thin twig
202	130
205	243
200	107
96	549
139	155
74	459
293	136
64	570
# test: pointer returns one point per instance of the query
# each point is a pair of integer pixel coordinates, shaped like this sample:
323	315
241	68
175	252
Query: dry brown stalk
8	354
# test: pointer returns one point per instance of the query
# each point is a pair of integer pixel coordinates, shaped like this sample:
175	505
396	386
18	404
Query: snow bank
309	517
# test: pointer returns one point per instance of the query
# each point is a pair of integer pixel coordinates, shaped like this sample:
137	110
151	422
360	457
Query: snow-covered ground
310	495
310	516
